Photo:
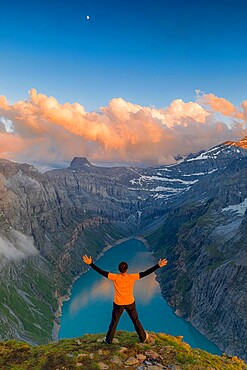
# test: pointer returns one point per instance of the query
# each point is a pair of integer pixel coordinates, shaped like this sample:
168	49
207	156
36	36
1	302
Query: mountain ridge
196	206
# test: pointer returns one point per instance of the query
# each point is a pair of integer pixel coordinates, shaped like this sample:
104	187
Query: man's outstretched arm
89	261
161	263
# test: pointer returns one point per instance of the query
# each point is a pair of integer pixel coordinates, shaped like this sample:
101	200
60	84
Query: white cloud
17	246
45	130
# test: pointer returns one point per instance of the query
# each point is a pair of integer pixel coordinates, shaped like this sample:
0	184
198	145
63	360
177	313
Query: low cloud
17	246
43	129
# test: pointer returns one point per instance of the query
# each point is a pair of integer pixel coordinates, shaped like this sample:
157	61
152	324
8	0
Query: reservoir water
90	305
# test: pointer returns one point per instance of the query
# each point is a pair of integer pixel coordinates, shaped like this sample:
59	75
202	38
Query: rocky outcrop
90	352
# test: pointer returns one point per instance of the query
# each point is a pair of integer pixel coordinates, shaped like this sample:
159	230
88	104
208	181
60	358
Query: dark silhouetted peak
178	157
79	163
193	155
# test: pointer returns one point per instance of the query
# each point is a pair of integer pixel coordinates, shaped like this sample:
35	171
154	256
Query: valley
194	211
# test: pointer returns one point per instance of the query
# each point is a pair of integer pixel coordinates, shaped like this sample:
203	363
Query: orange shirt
123	286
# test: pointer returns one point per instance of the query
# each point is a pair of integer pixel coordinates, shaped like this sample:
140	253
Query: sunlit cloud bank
40	129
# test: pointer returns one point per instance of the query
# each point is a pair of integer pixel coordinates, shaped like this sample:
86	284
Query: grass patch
87	352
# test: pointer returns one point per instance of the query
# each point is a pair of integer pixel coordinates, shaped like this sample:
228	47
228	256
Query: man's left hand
162	263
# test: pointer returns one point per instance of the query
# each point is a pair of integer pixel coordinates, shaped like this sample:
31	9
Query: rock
70	355
91	356
79	364
101	340
116	360
141	357
78	342
174	367
123	350
82	355
151	339
103	366
178	313
154	367
151	354
131	361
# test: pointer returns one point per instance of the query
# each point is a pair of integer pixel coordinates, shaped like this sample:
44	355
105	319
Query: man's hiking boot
105	341
146	339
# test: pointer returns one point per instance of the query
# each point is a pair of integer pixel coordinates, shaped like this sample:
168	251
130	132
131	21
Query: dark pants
116	314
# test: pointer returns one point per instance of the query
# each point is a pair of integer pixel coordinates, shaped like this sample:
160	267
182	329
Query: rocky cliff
47	221
193	212
205	239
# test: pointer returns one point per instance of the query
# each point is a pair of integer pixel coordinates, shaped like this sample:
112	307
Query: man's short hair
123	266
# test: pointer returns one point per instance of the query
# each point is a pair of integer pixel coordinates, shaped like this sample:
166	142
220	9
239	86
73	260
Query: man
123	297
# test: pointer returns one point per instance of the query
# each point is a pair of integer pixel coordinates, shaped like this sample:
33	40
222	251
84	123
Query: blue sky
133	67
147	52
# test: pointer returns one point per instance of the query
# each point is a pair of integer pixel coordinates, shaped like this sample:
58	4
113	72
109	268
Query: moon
87	17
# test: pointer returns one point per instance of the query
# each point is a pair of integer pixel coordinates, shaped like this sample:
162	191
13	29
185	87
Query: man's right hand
162	263
87	260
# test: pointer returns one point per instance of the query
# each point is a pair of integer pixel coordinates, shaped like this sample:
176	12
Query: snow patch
195	174
238	208
205	155
166	179
162	188
159	196
201	173
165	169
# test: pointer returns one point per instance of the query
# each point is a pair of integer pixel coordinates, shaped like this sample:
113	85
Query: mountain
193	212
47	222
90	352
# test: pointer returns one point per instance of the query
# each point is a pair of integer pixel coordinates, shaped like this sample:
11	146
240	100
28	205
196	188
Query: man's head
123	267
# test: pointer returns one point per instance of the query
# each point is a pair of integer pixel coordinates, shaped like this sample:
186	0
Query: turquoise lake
90	305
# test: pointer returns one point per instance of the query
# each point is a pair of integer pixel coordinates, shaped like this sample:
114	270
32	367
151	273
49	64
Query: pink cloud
44	129
220	105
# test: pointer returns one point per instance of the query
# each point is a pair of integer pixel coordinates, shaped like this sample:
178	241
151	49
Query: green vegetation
29	290
90	352
183	283
23	305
